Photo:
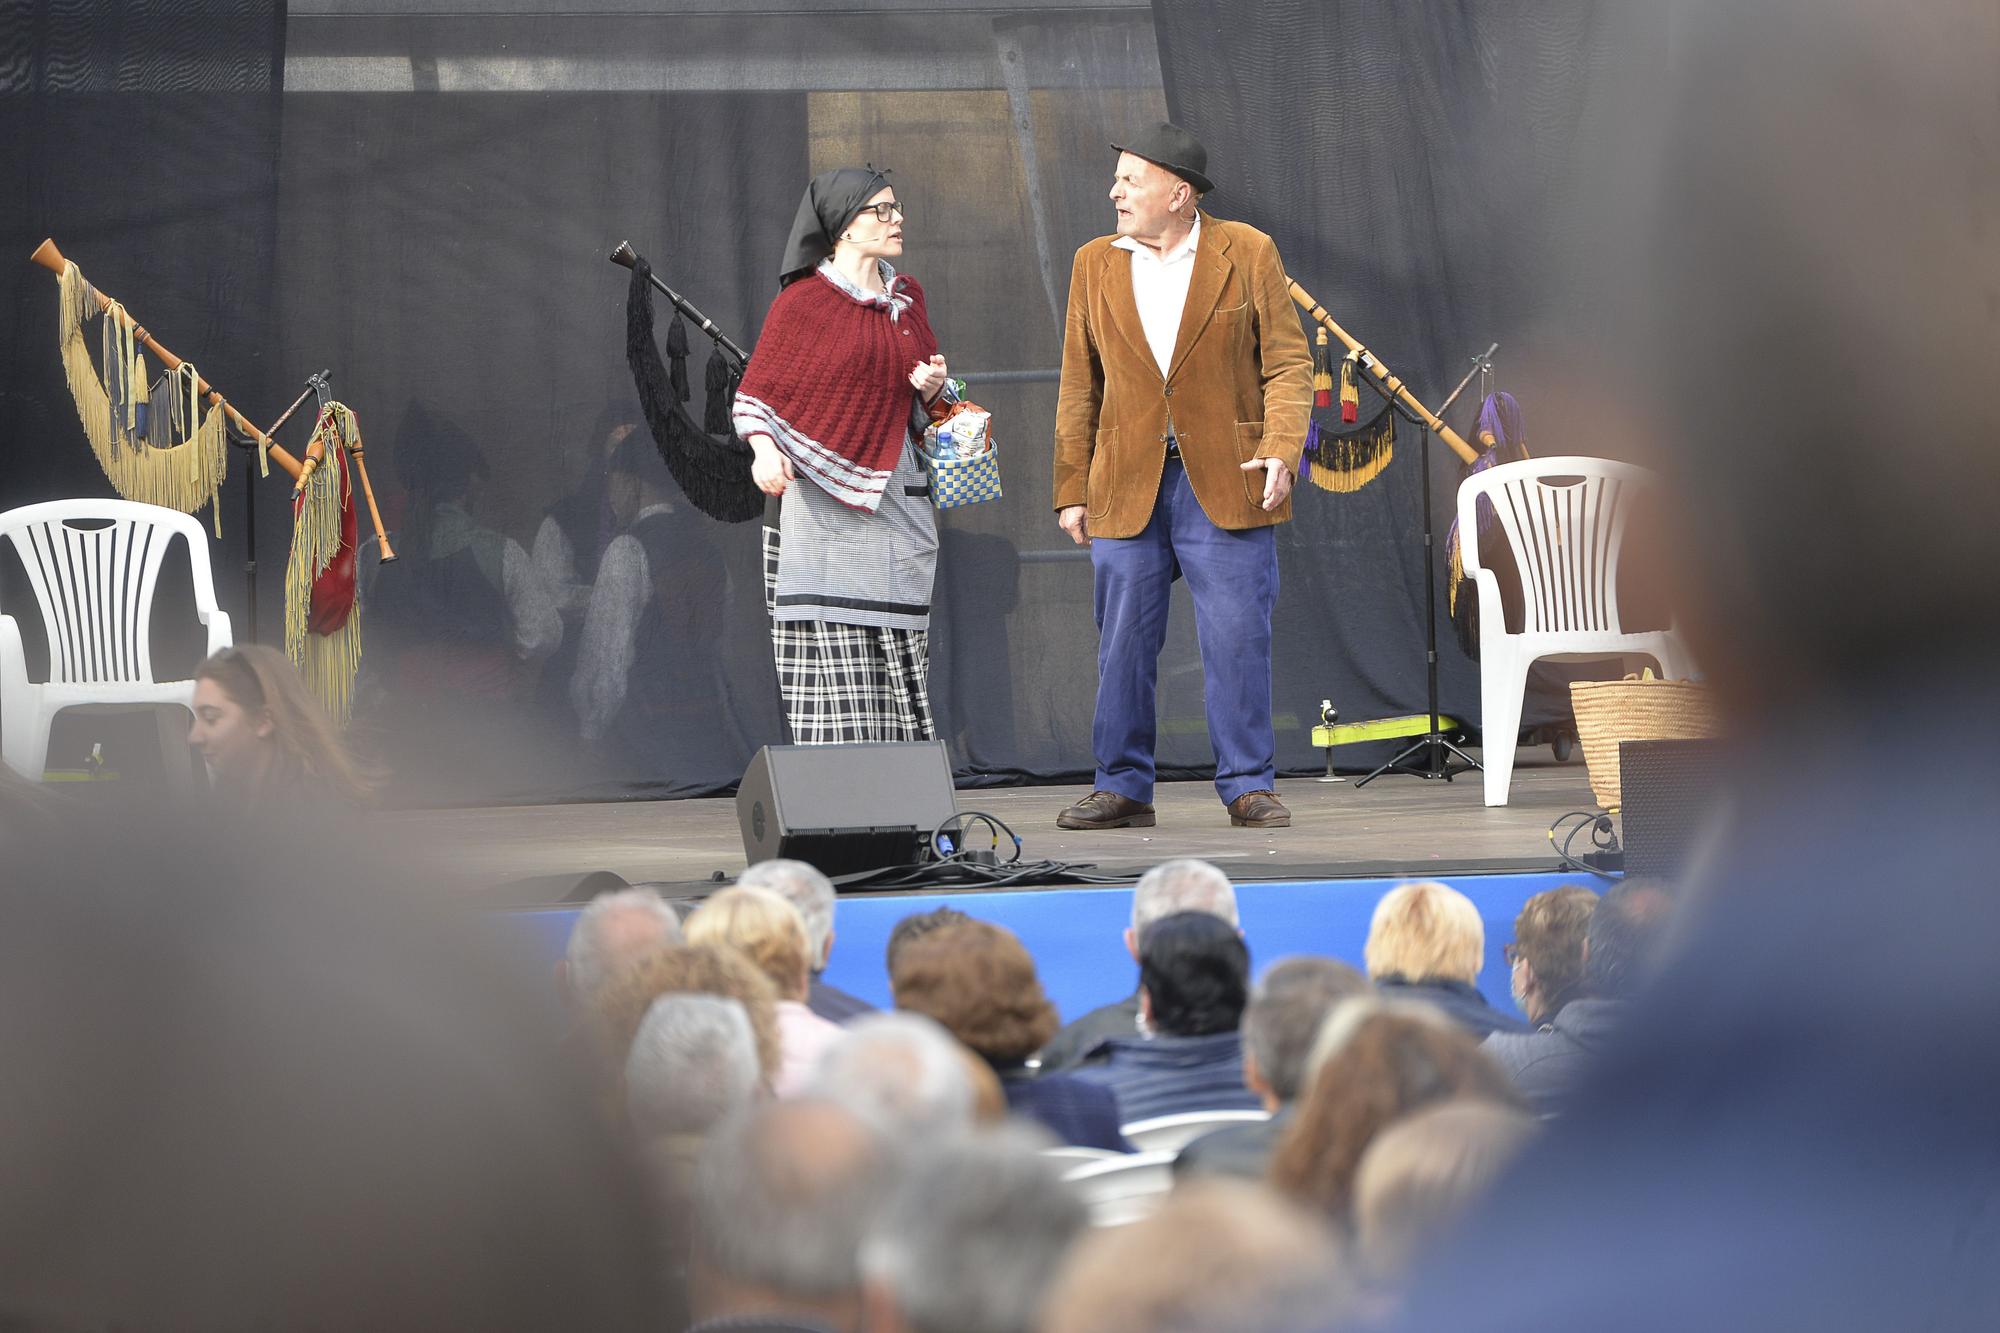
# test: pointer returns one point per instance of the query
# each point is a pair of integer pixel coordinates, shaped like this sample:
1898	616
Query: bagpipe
156	445
714	473
1347	460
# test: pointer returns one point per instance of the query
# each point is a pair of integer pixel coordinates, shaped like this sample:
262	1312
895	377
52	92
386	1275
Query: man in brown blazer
1186	386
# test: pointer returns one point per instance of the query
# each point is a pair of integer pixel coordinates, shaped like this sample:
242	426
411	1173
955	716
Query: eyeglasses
883	212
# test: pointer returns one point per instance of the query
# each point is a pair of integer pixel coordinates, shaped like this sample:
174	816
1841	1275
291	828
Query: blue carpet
1074	934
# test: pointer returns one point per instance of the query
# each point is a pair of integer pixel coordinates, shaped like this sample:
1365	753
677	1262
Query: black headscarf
830	203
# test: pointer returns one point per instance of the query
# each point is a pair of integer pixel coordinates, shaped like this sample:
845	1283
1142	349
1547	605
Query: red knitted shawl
830	383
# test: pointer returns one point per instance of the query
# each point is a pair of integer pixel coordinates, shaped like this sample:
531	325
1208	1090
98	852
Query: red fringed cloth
830	383
322	624
333	588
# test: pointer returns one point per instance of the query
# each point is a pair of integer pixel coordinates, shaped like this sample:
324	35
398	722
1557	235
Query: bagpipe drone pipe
711	465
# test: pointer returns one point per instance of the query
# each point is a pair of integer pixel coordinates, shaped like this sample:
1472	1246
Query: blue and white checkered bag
958	481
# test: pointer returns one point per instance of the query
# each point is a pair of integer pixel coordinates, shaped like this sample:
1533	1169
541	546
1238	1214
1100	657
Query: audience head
1219	1256
901	1072
806	889
977	980
989	1098
762	927
1372	1064
1283	1016
28	809
914	927
1425	931
1625	936
970	1238
1194	975
262	733
1185	885
1852	583
1546	956
290	1090
782	1196
611	931
1421	1173
693	1062
693	969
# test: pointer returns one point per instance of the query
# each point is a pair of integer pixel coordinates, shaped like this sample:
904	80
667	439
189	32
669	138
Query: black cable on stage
1603	836
960	867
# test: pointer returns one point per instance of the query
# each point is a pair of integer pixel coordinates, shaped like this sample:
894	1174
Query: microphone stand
1427	756
316	386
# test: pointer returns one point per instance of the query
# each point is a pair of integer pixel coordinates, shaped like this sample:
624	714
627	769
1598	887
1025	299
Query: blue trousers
1234	579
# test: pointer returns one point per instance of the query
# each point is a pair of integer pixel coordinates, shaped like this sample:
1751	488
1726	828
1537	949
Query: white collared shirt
1160	288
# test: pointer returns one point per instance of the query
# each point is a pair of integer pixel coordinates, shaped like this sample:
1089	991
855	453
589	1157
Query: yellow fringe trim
1347	480
328	662
1457	575
186	476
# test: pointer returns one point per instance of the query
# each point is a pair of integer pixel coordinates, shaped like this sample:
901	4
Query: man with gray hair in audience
805	888
1284	1015
902	1073
693	1062
783	1195
612	930
1219	1256
1185	885
970	1238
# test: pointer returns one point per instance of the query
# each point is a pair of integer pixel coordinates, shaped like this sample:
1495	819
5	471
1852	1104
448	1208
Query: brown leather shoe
1106	809
1259	809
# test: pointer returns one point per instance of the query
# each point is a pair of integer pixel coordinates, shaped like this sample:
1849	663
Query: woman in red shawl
832	404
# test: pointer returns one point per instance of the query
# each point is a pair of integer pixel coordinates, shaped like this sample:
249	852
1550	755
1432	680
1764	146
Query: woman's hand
770	469
929	377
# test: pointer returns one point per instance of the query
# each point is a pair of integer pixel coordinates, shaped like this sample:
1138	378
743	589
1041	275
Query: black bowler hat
1172	147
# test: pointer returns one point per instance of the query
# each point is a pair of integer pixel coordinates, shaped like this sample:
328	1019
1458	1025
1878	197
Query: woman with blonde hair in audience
978	981
769	931
1424	1172
263	736
1426	942
1373	1063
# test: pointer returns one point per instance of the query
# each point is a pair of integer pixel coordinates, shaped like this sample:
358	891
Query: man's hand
1071	518
1277	479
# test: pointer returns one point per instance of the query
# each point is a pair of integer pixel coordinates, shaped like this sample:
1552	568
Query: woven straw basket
1637	708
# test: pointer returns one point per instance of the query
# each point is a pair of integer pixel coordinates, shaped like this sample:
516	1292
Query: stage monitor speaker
845	808
1671	792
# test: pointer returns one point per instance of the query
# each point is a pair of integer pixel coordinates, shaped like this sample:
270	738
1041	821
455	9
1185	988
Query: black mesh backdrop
450	189
142	135
1417	165
426	210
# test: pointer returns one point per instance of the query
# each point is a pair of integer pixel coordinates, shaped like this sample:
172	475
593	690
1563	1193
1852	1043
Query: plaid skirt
853	682
848	682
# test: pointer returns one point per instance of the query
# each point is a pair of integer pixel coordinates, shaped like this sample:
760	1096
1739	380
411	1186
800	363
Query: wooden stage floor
1394	826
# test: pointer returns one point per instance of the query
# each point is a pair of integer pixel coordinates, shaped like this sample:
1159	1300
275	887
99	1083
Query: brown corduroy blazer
1239	387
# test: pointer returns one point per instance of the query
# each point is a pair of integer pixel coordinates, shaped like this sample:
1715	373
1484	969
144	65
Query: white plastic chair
1124	1189
1070	1155
94	565
1171	1133
1564	519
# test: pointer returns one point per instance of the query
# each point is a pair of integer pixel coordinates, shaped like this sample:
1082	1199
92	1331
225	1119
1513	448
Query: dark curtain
142	135
445	216
1418	166
421	202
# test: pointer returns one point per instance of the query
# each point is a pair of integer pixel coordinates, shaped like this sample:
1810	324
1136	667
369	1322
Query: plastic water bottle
947	447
